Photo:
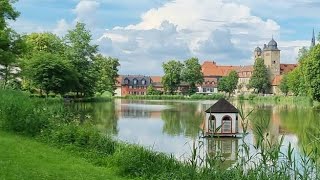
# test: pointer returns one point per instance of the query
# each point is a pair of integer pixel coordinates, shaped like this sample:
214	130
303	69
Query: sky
143	34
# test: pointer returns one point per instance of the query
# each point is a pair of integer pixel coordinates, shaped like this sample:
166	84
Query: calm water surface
174	127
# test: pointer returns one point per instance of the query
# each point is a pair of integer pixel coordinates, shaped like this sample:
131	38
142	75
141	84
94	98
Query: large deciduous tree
11	44
260	77
311	68
107	71
192	73
81	53
51	73
229	83
42	43
172	75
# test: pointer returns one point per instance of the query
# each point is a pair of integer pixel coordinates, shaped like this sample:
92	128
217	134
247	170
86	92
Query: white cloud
226	32
86	11
62	27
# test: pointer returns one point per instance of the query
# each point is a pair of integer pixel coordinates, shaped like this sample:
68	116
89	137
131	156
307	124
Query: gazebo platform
219	135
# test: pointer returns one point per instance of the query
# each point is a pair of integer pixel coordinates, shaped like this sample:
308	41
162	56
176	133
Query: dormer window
126	81
135	82
143	82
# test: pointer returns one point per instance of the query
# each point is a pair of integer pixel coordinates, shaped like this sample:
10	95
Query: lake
174	127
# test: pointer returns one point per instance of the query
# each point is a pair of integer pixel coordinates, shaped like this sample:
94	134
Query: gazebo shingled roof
222	106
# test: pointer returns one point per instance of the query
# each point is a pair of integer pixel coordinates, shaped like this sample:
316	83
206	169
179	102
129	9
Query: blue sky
145	33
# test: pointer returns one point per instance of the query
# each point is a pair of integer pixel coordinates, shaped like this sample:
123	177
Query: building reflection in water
225	149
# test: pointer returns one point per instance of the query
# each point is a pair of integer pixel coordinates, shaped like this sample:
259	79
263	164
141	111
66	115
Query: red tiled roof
244	71
210	68
285	68
276	80
156	79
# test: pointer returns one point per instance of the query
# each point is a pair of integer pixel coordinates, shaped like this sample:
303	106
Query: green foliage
44	42
107	71
229	83
81	54
192	74
152	91
311	66
172	75
7	12
18	113
259	79
284	87
11	44
51	73
296	82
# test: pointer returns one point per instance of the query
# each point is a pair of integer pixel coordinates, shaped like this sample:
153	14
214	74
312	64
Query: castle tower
313	40
271	56
257	53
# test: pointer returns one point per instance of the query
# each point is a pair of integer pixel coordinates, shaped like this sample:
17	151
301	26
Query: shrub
20	114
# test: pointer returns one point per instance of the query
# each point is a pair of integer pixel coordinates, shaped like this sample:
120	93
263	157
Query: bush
252	97
20	114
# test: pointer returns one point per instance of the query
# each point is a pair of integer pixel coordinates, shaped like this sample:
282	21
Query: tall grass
49	122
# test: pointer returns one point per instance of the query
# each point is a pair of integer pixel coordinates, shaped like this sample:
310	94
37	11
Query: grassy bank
300	100
176	97
24	158
51	124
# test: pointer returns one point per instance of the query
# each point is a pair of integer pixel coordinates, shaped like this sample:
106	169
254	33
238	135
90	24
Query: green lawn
24	158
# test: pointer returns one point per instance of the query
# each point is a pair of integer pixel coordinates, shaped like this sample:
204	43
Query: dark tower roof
272	45
222	106
313	40
258	49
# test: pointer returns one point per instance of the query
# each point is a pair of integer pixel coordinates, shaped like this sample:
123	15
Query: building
132	85
271	56
212	73
221	114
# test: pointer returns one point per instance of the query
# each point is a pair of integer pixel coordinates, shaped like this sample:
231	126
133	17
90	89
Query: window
126	81
212	123
135	81
143	82
226	124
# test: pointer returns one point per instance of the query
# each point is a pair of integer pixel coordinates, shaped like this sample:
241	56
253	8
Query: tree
260	77
296	82
284	87
310	66
11	44
7	12
172	75
107	71
152	91
40	43
192	73
44	42
81	54
51	73
229	83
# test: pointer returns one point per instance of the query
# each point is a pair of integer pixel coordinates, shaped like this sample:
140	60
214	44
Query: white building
222	119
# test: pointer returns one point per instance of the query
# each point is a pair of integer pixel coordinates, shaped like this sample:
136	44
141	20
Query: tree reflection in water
183	119
103	115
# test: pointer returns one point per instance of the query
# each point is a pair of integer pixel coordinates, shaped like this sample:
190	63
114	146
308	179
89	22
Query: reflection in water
183	119
167	126
103	115
226	148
